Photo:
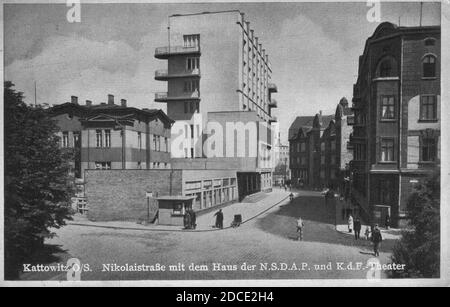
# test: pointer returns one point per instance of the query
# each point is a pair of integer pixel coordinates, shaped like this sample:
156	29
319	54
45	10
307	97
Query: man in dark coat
357	228
193	219
376	239
219	219
187	220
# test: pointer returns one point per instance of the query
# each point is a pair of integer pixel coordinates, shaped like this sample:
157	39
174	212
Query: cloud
73	65
312	70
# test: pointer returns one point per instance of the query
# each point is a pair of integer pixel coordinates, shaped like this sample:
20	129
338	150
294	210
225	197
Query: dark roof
304	122
86	111
325	121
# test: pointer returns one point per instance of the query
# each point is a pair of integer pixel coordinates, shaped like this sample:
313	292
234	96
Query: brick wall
121	194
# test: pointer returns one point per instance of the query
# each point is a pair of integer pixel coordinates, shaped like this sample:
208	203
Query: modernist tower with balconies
217	71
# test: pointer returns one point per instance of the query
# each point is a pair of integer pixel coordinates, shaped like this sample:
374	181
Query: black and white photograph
224	143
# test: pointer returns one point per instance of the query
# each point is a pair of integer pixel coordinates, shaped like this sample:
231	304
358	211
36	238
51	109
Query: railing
160	95
164	73
163	51
273	103
272	87
164	96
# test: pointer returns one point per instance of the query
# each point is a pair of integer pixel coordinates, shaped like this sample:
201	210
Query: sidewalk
392	233
205	221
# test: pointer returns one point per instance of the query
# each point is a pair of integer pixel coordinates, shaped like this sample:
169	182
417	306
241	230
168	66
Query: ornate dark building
396	133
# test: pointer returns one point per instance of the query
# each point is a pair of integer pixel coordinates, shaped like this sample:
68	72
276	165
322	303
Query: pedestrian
350	223
193	219
219	219
388	221
357	227
376	239
291	197
300	226
187	220
285	187
367	233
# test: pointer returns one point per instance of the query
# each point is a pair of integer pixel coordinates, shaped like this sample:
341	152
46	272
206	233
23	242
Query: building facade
396	133
219	78
111	136
319	149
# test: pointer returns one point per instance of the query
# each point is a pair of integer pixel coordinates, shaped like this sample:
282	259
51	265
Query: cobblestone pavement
263	248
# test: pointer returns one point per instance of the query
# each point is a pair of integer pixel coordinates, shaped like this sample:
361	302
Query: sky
313	49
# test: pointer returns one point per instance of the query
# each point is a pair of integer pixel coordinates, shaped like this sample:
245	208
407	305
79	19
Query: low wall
121	194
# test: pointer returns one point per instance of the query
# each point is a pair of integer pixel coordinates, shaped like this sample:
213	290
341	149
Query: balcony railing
165	52
164	97
273	88
273	103
163	74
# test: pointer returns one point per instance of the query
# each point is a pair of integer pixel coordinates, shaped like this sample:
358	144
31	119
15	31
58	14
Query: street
262	248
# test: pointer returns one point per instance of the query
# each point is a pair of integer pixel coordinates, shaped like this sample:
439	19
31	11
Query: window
387	68
192	63
429	66
186	106
177	209
139	135
65	139
428	107
387	150
387	107
333	160
191	86
155	143
192	40
428	150
303	146
322	160
107	138
103	165
76	139
333	144
322	146
166	144
99	138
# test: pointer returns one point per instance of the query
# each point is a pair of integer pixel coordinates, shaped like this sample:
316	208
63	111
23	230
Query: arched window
429	66
387	67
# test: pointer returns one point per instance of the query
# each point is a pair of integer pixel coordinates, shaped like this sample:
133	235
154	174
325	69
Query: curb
179	230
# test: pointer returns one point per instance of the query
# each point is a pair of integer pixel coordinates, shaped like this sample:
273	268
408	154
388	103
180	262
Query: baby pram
237	220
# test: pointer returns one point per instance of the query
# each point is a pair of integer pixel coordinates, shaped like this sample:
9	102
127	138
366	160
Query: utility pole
35	97
421	7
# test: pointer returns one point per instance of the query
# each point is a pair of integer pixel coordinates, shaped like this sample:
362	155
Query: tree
419	247
38	187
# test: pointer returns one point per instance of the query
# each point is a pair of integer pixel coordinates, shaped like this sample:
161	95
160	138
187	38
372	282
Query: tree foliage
37	185
419	247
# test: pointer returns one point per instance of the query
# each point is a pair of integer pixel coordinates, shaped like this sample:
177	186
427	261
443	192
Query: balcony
273	119
273	88
164	97
166	52
163	74
273	103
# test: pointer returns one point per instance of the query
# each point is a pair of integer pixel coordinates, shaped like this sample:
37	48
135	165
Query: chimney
74	99
110	99
88	103
123	102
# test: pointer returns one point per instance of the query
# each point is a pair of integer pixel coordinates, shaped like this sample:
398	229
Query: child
367	233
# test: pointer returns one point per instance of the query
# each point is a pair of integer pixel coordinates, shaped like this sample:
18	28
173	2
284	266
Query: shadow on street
319	220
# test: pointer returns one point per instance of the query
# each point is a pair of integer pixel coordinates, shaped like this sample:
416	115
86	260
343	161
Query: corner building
396	131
